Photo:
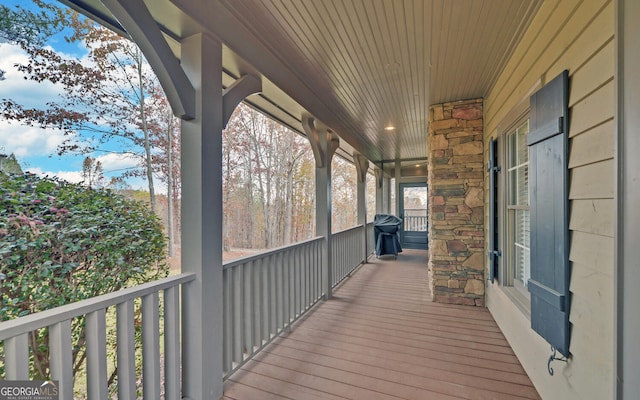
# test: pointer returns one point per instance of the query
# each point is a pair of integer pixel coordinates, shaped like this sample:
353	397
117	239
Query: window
533	203
518	213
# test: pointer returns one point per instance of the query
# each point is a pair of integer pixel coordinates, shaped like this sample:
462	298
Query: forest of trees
113	104
269	184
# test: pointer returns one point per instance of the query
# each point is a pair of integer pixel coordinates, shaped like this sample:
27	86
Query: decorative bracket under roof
239	90
379	177
135	18
321	149
362	165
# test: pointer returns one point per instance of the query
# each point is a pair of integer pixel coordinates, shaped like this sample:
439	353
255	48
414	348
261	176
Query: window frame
518	295
510	210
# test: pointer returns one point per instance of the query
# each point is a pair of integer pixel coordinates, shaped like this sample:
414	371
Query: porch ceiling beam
135	18
239	90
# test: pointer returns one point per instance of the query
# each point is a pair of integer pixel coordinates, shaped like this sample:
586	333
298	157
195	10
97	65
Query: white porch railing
371	242
415	223
347	252
15	334
264	294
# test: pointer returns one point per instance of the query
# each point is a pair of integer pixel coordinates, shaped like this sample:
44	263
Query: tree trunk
170	226
145	130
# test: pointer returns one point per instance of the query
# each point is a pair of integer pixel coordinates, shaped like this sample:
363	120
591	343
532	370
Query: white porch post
362	165
202	222
386	193
379	191
323	218
324	144
398	175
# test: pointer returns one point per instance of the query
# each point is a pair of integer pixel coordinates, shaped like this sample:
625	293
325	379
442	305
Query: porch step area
381	337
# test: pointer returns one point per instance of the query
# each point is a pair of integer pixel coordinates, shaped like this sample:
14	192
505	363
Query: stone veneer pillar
456	204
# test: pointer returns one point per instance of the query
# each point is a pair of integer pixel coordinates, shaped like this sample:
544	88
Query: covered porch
381	337
406	90
210	330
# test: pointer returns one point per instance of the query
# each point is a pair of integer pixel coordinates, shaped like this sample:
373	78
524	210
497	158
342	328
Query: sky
34	147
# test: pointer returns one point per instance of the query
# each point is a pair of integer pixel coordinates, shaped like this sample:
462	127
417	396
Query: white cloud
69	176
26	141
15	138
117	161
15	87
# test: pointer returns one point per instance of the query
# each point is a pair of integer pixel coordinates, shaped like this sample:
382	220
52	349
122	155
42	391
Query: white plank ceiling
357	65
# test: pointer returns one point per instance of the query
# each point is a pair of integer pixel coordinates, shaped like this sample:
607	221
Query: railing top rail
45	318
244	260
347	230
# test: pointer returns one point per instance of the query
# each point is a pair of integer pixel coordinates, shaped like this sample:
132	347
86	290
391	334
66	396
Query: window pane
521	244
518	166
518	201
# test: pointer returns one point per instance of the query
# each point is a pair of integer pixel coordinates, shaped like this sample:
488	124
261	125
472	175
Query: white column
398	175
202	221
362	165
324	144
386	194
323	217
379	191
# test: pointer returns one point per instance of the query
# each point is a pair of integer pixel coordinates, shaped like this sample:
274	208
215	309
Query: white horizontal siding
578	36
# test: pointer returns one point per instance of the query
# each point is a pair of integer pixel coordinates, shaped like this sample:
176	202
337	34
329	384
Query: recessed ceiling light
389	128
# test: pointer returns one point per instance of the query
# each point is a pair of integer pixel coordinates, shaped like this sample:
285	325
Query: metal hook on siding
553	358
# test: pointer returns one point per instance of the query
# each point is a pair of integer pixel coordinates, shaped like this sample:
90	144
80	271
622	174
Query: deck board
381	337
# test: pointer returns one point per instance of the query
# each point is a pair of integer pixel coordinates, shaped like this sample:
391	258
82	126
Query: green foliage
62	242
27	27
9	164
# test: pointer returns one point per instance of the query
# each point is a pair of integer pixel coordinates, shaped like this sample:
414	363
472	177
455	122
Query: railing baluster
265	300
292	287
280	291
301	273
286	274
227	317
273	321
247	310
254	316
319	262
296	283
96	355
256	289
16	352
307	286
125	325
172	343
151	346
61	362
238	332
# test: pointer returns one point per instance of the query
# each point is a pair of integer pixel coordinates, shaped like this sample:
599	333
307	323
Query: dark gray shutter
493	169
548	185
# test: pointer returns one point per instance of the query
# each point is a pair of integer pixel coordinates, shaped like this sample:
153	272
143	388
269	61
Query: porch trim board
627	252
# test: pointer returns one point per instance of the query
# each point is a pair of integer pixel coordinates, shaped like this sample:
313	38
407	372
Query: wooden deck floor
381	337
